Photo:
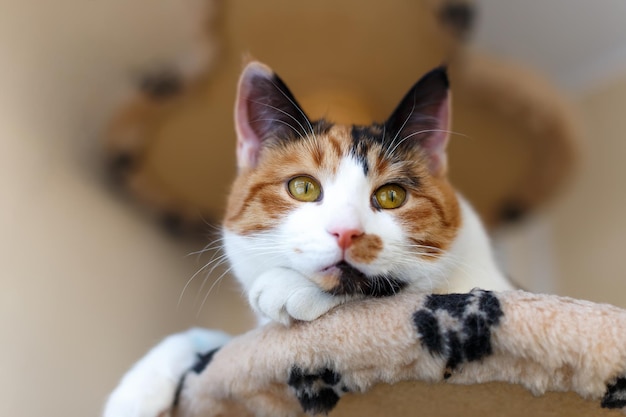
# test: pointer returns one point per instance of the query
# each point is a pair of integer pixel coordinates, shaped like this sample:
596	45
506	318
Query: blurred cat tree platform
171	145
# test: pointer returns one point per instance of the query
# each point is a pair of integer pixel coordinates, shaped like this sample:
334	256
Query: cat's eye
389	196
304	188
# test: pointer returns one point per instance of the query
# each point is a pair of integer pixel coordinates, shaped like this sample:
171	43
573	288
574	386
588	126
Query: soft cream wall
86	283
589	222
576	246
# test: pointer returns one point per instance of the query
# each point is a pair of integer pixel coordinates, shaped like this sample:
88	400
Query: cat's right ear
265	109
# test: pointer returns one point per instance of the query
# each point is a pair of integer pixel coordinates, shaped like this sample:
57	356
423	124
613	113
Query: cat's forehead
322	152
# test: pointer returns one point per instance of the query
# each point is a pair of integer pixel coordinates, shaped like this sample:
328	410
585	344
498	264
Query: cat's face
356	209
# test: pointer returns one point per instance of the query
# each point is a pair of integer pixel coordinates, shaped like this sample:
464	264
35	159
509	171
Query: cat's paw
284	295
149	387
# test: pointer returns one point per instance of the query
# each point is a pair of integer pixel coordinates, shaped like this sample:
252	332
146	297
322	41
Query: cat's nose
345	236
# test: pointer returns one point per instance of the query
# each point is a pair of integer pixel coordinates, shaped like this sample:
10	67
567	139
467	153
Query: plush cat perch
446	355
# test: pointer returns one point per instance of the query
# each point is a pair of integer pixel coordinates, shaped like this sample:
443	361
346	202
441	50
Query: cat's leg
149	387
283	295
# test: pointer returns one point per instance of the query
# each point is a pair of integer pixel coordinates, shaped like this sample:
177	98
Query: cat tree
171	146
424	355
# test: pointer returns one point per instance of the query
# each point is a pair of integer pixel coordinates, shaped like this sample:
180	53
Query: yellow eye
304	188
389	196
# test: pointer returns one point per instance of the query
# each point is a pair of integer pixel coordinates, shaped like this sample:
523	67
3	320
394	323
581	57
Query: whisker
297	108
424	131
402	127
182	293
218	262
283	122
286	114
209	291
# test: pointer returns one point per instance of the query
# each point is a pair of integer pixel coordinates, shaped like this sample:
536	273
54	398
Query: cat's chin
344	279
328	278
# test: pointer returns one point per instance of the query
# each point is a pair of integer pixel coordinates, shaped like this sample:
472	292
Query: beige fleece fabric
483	353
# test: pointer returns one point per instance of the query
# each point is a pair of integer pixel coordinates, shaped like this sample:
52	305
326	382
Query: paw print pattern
615	396
458	326
318	392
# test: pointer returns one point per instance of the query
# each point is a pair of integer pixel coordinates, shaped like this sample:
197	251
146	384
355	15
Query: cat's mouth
343	278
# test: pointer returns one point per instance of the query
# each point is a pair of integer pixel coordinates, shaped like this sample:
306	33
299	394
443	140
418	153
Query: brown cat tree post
171	146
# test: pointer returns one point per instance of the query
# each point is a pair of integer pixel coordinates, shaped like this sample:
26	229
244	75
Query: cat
321	214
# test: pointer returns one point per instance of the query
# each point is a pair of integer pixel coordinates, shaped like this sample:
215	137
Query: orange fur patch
327	282
365	248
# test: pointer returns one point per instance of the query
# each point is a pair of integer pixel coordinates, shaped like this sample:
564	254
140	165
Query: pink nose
345	237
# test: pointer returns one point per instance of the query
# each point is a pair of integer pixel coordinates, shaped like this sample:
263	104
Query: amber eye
389	196
304	188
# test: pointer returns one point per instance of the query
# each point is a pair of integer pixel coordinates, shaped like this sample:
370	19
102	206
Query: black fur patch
615	396
354	282
318	392
376	136
458	326
203	359
372	133
362	139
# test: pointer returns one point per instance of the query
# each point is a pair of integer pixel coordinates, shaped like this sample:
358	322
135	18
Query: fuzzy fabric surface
540	342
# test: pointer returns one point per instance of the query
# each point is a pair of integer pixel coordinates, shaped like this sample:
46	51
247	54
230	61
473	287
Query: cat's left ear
265	110
422	119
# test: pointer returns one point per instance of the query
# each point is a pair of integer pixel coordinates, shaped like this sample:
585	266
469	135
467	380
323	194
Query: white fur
148	388
472	252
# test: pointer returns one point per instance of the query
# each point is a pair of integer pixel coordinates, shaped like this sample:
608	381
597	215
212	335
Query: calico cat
321	214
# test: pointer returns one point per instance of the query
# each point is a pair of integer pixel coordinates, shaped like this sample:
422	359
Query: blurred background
90	276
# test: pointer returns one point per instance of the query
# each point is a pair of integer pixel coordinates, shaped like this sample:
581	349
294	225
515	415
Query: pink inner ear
248	141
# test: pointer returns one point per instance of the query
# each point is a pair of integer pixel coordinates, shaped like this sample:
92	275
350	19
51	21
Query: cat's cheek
247	256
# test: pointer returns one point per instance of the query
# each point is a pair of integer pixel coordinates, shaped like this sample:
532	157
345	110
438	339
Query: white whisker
210	289
297	108
300	134
424	131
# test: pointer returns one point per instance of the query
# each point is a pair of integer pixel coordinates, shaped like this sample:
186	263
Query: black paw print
319	391
458	326
615	396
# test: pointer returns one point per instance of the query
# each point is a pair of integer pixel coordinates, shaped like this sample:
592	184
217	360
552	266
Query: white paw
283	295
149	387
309	303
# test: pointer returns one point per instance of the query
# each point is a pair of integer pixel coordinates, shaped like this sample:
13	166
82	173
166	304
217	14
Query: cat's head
356	209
